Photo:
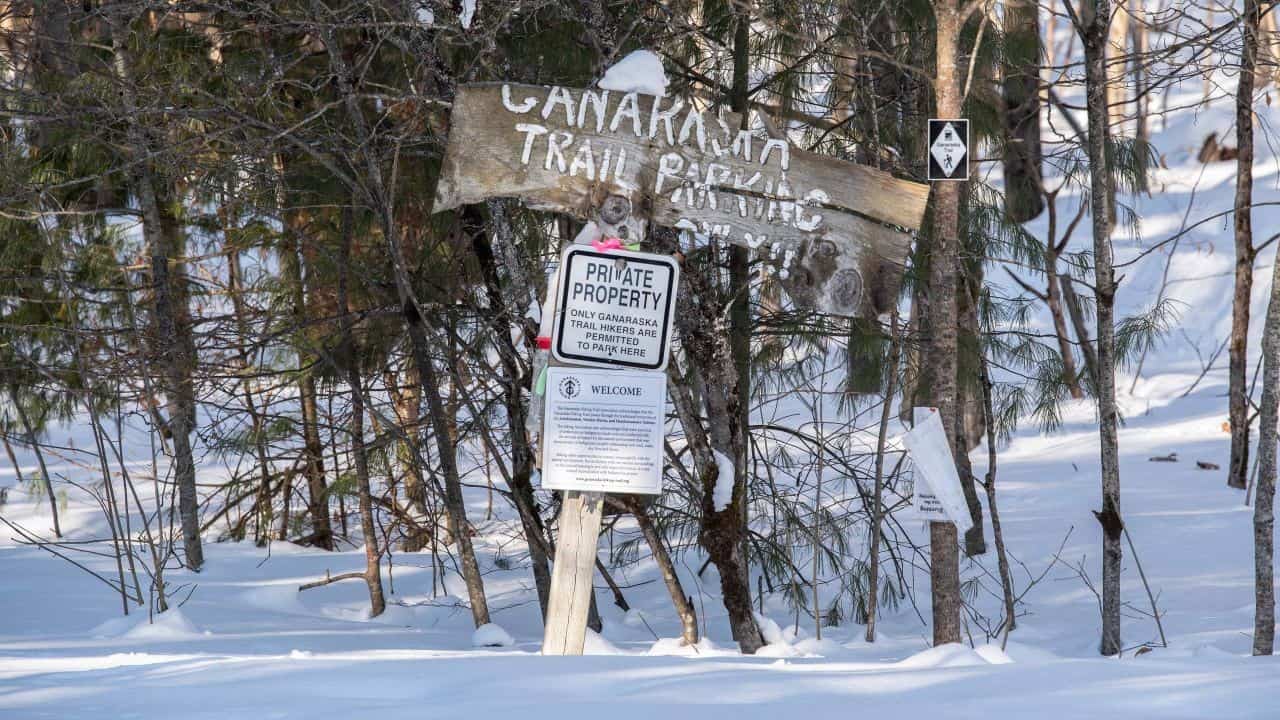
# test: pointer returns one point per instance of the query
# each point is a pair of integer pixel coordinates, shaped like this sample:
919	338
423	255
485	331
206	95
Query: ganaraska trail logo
570	387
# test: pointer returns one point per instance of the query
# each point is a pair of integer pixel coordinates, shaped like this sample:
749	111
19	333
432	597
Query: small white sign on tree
937	496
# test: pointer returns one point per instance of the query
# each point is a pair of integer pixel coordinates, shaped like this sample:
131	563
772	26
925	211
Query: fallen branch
330	579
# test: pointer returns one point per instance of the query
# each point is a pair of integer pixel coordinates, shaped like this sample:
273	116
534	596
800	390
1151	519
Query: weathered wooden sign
833	231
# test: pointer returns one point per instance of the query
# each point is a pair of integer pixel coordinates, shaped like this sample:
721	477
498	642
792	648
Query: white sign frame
618	461
567	310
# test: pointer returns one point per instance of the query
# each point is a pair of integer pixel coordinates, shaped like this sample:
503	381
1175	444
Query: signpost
834	235
604	424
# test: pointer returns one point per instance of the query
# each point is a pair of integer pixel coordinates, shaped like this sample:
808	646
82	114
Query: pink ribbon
606	244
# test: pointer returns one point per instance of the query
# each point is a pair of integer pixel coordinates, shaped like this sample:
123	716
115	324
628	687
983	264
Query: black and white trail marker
948	149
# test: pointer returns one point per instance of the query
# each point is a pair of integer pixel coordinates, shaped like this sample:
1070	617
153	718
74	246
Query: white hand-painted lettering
658	115
559	96
669	166
599	102
525	105
531	132
584	162
555	149
629	106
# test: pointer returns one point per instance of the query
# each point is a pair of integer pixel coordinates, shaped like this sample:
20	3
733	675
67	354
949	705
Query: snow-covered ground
247	643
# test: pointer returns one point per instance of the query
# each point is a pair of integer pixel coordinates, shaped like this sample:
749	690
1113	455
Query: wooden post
565	631
571	574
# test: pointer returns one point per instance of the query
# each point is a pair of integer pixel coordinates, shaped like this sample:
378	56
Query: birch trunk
1264	614
1264	623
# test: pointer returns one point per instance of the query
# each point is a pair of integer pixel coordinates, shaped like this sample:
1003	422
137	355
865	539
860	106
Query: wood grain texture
834	232
575	563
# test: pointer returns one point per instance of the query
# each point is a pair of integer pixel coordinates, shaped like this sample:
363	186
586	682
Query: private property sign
835	234
614	308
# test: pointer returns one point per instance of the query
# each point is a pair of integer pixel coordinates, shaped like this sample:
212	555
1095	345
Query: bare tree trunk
382	202
740	309
294	268
1117	69
1092	21
173	345
455	505
235	286
1082	329
940	390
313	467
706	344
504	309
715	349
408	408
1268	53
1053	298
1238	390
970	419
680	601
13	459
35	447
286	494
1264	623
351	358
1023	197
1141	74
877	510
1002	557
1264	615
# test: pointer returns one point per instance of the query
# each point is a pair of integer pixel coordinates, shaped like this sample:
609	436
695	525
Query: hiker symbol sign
948	149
